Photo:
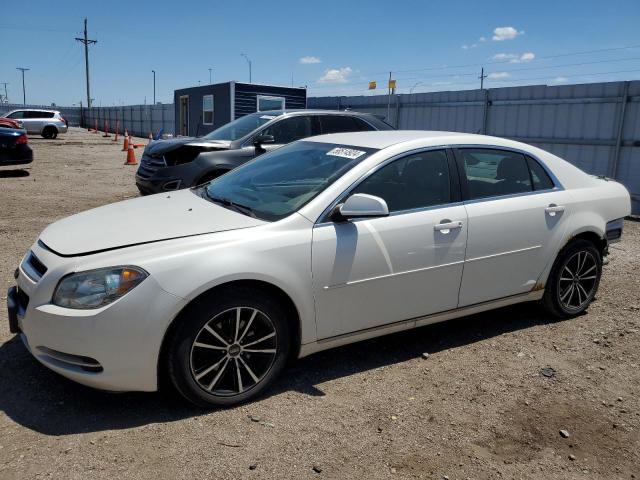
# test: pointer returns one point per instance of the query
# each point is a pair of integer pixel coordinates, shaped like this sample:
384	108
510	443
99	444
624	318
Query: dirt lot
477	407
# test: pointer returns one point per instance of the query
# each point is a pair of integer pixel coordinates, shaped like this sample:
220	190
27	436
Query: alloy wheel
578	280
233	351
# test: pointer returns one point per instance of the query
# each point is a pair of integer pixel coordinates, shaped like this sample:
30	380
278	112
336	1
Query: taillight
22	140
63	120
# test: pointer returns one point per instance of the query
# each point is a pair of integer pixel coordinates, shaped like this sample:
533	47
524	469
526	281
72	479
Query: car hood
141	220
158	147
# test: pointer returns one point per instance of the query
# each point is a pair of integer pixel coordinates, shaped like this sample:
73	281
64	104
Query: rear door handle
552	209
446	227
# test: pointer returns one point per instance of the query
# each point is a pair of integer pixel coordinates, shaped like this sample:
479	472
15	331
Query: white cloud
497	75
467	47
336	75
505	33
310	60
514	57
482	39
560	80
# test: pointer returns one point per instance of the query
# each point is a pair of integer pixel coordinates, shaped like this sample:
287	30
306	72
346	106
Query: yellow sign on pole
372	85
392	84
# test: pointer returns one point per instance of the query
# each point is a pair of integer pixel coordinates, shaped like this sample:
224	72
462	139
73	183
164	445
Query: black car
185	162
14	148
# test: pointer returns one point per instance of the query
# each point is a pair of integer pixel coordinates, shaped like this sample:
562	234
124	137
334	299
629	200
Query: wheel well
599	242
49	128
293	318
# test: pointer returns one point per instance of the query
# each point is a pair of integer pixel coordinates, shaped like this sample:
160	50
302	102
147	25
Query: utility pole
24	94
6	96
154	86
389	99
482	77
248	61
210	77
85	40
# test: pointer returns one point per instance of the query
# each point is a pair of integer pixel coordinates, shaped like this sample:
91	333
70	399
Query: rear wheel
573	280
50	132
228	348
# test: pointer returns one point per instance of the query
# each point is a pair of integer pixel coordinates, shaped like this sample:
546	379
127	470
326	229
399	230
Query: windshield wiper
229	203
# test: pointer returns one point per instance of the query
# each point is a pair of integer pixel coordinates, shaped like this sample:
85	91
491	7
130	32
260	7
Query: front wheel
228	348
573	280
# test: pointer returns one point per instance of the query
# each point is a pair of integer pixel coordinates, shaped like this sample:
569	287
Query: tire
573	280
210	367
50	132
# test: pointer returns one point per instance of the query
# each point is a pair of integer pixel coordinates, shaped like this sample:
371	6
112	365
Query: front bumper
112	348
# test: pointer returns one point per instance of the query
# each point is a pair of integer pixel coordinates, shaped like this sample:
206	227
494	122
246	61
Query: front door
372	272
516	223
184	115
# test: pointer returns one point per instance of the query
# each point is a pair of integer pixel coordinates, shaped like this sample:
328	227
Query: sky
332	47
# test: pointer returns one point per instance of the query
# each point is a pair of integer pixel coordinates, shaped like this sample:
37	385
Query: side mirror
363	205
262	139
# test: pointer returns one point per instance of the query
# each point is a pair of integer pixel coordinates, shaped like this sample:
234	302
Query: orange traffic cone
125	146
131	156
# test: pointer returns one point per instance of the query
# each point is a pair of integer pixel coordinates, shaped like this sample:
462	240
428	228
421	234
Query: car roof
306	111
418	138
33	110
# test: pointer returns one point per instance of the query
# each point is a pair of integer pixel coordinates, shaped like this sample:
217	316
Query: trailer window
266	103
207	110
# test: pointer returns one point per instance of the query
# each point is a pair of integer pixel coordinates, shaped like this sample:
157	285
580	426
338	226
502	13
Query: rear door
516	214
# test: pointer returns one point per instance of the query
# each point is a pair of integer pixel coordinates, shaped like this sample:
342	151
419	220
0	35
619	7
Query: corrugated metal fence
594	126
137	119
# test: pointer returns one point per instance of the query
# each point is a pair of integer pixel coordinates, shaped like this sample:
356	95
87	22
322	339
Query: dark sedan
14	148
185	162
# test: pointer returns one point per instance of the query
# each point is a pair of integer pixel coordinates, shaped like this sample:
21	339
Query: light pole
24	94
210	76
154	86
249	62
414	86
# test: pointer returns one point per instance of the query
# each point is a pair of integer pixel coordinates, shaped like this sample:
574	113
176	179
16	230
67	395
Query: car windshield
241	127
276	184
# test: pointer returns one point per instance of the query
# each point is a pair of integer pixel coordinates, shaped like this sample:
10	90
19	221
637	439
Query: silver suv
47	123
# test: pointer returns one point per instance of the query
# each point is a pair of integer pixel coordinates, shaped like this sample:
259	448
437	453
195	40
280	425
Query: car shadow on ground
38	399
14	173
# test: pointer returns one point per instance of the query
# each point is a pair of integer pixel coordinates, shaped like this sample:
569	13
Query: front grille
33	267
150	165
23	301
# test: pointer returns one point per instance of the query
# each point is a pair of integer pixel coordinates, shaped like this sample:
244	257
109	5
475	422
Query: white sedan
323	242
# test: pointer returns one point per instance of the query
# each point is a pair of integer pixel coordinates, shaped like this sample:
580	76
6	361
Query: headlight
96	288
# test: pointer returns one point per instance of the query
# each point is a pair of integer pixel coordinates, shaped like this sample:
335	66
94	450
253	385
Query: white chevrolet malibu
320	243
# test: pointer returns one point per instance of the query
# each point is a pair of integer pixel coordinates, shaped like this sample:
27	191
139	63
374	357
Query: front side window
276	184
416	181
241	127
266	103
18	115
207	110
290	129
492	173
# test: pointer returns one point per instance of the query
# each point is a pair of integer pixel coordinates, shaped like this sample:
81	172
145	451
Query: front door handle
552	209
446	226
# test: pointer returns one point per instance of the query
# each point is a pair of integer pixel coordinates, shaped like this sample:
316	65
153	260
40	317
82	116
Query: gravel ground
478	407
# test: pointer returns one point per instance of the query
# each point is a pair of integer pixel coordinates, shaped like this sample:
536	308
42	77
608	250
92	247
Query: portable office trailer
199	110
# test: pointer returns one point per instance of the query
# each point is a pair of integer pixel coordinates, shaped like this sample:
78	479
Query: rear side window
339	123
416	181
492	173
541	179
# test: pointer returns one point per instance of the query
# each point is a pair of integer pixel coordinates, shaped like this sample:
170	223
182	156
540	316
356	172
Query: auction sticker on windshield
346	153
